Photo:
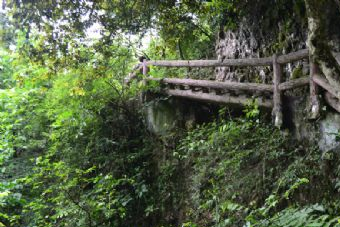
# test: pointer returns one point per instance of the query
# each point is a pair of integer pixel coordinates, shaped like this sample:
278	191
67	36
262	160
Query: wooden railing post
145	71
145	68
314	91
277	96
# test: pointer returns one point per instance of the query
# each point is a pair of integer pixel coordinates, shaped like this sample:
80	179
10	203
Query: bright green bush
81	140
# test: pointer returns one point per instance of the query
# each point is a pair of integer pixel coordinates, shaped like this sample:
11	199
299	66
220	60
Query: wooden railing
283	59
187	87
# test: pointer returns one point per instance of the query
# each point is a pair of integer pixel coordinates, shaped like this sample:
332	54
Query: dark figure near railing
142	58
137	69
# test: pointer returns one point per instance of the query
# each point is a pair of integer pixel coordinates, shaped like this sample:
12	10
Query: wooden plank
294	84
322	82
283	59
145	67
234	85
223	99
145	70
212	63
277	97
332	101
294	56
218	85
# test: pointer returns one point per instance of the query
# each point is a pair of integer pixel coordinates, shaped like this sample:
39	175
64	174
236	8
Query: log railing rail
224	92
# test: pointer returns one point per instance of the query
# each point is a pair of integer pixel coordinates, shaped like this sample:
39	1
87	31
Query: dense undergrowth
73	146
75	151
242	172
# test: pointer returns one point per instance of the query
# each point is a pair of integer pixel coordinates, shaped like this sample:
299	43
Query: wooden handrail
218	84
322	82
217	98
294	56
212	63
291	84
332	101
216	90
282	59
288	85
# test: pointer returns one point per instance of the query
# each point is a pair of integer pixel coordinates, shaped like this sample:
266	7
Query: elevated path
266	95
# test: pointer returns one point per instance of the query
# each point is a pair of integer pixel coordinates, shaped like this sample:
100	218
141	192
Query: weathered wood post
277	96
314	91
145	71
332	101
145	67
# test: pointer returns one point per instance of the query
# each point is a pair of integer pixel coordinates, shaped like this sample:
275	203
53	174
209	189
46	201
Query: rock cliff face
256	37
248	41
281	29
165	115
237	44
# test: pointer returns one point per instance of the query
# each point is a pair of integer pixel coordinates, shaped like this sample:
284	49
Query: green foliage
80	139
297	73
86	158
245	173
74	148
6	31
68	200
313	215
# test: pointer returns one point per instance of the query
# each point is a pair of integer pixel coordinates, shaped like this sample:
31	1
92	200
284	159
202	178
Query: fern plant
309	216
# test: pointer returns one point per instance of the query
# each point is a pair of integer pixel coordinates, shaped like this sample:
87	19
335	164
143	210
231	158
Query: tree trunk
318	12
